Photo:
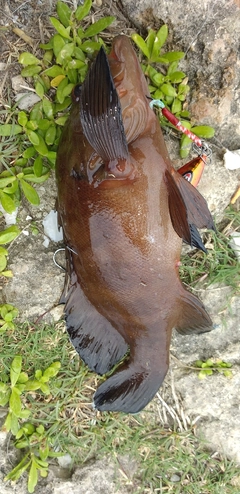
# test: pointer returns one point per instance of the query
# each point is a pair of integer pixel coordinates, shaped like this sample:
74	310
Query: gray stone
215	399
208	32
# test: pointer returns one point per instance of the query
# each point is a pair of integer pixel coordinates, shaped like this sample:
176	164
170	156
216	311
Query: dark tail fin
131	388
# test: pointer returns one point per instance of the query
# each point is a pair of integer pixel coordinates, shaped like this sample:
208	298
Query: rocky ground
209	33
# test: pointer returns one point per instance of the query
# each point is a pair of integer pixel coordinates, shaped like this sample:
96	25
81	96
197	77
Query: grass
166	458
220	264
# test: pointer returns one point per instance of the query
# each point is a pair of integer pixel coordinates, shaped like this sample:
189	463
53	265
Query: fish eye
76	92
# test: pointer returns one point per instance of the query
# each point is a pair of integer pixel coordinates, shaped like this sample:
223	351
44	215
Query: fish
125	212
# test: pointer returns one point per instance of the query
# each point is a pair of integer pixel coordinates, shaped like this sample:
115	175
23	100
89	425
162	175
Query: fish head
132	89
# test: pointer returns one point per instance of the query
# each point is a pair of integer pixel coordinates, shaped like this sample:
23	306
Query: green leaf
27	58
36	112
32	385
78	53
6	181
9	234
176	106
51	156
83	10
42	147
7	203
64	13
203	131
22	118
76	64
171	56
8	130
158	79
172	68
150	39
54	71
139	41
33	137
47	108
3	251
61	120
3	262
159	41
185	146
39	89
31	70
15	369
29	152
90	47
32	477
168	90
15	402
38	166
50	135
65	54
58	44
44	388
11	189
59	94
176	77
30	193
60	28
23	378
99	26
44	124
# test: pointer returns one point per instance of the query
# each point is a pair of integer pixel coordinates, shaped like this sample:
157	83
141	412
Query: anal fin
98	343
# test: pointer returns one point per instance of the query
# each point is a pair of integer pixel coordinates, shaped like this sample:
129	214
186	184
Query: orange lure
124	212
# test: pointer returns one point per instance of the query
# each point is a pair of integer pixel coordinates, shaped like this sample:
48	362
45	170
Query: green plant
36	135
7	314
169	84
28	436
39	450
19	384
209	367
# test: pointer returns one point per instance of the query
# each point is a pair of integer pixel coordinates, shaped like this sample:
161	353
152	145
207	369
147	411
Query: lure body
124	212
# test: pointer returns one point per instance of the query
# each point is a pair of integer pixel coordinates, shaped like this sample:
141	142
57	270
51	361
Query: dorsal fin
100	112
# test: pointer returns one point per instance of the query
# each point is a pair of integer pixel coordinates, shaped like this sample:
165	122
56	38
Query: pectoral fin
100	112
188	209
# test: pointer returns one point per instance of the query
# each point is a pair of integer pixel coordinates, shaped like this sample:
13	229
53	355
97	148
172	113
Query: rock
215	399
25	101
97	478
208	33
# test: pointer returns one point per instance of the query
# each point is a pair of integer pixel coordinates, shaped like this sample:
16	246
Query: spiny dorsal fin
100	112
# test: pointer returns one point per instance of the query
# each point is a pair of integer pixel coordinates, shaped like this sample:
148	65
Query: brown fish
124	212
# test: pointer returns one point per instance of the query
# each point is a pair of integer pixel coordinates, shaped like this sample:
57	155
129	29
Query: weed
165	458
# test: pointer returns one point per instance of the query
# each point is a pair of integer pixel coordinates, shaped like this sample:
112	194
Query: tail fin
130	389
193	318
